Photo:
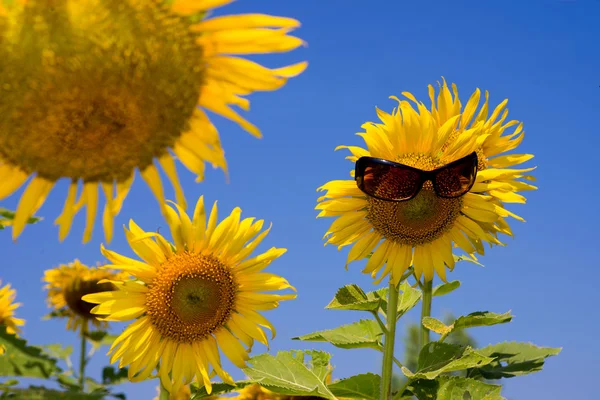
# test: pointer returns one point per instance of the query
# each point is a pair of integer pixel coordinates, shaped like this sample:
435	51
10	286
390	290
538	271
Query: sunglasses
391	181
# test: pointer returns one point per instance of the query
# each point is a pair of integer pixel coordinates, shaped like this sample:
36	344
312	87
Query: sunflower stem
426	311
82	360
388	349
164	393
380	322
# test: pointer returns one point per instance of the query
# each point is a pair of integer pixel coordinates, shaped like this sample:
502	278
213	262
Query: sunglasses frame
424	176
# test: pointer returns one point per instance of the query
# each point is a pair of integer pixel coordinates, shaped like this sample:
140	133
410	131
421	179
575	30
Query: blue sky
541	55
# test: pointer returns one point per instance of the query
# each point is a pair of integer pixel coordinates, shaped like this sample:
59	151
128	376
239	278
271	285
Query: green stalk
82	357
426	311
388	349
164	394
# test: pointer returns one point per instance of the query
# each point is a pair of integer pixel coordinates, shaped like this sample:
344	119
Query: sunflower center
419	220
91	90
192	296
79	288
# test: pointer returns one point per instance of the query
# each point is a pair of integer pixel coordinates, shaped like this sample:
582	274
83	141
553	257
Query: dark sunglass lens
389	182
456	180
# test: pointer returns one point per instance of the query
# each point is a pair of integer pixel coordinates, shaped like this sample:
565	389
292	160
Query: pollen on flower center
98	90
419	220
79	288
192	296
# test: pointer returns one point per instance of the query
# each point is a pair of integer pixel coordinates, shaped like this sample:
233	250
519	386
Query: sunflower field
114	288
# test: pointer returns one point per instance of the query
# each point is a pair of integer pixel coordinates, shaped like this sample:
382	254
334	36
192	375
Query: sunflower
423	231
94	89
7	311
191	298
66	284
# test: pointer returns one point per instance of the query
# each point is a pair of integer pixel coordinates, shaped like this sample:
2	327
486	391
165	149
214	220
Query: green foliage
23	360
437	326
409	297
449	388
363	386
42	393
291	373
114	376
446	288
217	389
7	217
513	359
468	259
481	318
361	334
62	313
437	358
99	339
41	362
352	297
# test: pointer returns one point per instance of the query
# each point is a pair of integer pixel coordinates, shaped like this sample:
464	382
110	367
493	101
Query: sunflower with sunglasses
428	181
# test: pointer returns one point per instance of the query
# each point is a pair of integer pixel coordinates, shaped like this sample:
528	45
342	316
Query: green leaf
450	388
114	376
363	386
41	393
8	383
482	318
57	350
96	336
352	297
99	339
286	373
7	216
423	389
95	387
23	360
407	299
513	359
446	288
217	389
468	259
465	388
437	358
68	382
479	318
61	313
437	326
365	333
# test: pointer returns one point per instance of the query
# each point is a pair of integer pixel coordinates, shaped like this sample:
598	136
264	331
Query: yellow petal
32	199
188	7
65	220
168	165
107	215
152	178
377	258
12	179
232	348
245	21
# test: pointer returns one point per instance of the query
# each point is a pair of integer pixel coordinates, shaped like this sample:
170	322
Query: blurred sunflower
422	231
191	298
7	310
68	283
94	89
